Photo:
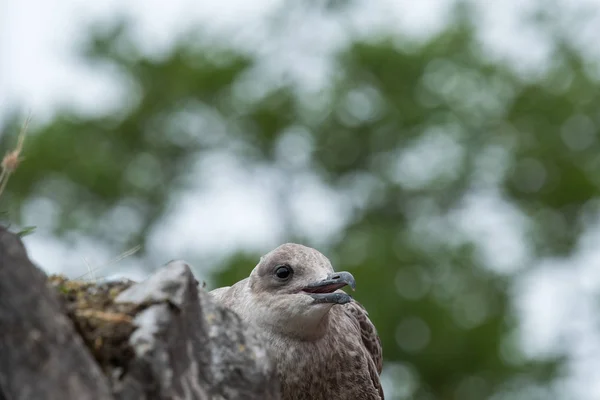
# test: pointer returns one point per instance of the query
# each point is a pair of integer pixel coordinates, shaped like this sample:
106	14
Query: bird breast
334	367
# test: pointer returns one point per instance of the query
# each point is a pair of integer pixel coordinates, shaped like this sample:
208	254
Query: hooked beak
325	291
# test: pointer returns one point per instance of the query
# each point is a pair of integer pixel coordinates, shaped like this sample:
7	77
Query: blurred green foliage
445	318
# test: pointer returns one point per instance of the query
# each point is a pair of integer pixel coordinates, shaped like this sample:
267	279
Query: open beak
325	291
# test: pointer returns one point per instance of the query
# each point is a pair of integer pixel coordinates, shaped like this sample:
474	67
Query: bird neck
307	327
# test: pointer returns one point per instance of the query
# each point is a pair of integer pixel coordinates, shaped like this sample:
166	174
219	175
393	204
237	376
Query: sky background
39	71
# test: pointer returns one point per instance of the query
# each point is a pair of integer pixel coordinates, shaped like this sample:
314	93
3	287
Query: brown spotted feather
370	340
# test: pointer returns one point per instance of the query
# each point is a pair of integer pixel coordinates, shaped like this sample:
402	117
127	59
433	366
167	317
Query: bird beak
324	291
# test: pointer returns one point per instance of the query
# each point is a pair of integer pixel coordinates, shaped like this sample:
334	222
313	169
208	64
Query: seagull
321	340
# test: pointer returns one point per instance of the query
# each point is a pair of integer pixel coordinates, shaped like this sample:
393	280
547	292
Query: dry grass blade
120	257
90	269
11	160
103	315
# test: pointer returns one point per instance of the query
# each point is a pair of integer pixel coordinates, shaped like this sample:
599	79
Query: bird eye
283	272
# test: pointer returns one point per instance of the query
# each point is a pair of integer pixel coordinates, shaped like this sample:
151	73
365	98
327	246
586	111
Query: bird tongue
330	288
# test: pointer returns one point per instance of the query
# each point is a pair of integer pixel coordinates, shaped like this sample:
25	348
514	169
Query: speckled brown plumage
325	351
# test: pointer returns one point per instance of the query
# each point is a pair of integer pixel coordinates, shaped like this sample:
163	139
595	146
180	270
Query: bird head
294	287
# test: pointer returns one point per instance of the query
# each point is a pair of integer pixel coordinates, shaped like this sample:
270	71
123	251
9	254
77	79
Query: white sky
38	71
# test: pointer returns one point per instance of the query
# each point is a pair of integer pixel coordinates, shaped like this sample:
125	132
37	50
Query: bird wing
220	293
228	295
370	340
223	296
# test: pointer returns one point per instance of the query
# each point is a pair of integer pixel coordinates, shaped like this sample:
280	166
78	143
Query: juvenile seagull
322	341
